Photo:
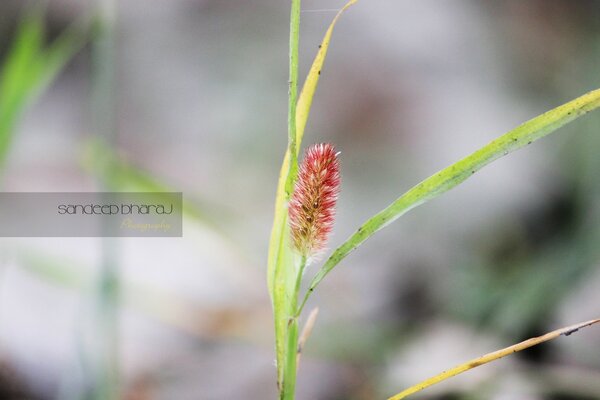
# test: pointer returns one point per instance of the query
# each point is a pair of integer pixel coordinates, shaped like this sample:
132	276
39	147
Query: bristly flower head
312	206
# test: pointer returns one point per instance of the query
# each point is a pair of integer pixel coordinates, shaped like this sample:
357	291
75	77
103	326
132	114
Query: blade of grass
108	285
293	95
18	74
116	172
566	331
458	172
159	303
30	68
281	271
286	330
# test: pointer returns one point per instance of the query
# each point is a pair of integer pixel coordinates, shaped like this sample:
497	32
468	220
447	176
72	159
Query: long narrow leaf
455	174
118	174
459	369
19	73
29	69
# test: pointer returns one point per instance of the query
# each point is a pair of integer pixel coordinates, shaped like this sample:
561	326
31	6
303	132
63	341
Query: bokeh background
191	96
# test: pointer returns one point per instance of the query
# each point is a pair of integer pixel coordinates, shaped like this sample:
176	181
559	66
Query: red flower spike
312	206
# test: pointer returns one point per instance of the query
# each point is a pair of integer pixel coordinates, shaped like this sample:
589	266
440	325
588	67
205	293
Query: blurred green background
191	96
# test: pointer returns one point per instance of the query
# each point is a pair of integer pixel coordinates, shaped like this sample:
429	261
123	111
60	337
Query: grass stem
103	123
293	95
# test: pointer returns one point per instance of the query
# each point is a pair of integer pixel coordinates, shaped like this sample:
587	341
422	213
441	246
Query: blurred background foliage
199	101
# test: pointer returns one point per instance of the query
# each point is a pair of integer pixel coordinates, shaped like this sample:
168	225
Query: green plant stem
298	284
293	95
289	378
299	277
304	300
287	335
108	290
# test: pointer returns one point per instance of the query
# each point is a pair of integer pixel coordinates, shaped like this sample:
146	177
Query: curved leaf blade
458	172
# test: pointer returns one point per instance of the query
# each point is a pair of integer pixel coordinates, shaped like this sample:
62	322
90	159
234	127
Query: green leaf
18	74
118	174
455	174
29	69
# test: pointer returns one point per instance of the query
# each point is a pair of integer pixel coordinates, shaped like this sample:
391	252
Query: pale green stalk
293	95
291	367
288	332
103	122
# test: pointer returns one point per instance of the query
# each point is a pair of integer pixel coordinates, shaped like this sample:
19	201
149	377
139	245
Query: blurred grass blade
117	173
57	271
280	274
29	69
458	172
566	331
162	304
18	75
